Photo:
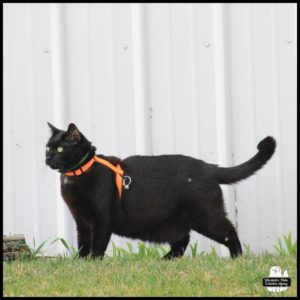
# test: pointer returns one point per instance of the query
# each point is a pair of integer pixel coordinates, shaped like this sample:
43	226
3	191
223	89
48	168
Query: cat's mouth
52	165
56	166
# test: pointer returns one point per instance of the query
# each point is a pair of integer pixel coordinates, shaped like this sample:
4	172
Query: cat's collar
81	169
79	164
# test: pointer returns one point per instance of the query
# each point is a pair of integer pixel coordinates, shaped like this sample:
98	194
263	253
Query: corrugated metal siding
205	80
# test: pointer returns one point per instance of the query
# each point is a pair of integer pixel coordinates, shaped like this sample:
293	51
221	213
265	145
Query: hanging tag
126	182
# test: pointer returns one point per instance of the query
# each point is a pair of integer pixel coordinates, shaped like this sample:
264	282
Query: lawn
202	275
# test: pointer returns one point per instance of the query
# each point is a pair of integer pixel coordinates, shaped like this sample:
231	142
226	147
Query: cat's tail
266	149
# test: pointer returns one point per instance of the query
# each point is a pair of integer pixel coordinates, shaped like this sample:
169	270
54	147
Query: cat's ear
73	133
53	128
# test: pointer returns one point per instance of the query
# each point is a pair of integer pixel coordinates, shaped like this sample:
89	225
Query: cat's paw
97	256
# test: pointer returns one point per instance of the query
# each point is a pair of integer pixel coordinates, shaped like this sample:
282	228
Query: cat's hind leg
178	248
222	231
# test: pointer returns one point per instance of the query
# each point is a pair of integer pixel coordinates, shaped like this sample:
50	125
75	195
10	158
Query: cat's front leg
101	236
84	238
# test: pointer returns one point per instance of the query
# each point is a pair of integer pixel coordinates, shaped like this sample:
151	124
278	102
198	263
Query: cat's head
65	149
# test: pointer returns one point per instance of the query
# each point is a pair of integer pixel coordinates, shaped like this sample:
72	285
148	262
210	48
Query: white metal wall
205	80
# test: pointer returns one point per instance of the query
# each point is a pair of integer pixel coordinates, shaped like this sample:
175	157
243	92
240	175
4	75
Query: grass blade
63	242
38	250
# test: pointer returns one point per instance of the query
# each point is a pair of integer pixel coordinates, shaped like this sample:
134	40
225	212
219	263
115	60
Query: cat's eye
47	149
60	149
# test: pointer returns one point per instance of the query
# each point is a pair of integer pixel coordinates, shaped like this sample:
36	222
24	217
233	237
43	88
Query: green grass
199	276
145	274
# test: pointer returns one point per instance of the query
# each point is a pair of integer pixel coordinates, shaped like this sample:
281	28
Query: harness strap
117	169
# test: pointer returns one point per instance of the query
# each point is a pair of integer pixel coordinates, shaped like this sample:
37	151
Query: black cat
169	195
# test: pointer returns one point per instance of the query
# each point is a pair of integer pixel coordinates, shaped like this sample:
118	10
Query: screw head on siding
125	46
288	41
46	50
207	45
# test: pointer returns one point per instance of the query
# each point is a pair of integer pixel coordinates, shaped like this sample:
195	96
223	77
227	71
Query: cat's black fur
169	195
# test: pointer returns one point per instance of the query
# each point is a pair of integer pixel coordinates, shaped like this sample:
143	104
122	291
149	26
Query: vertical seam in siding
220	95
113	85
112	59
7	163
31	71
195	78
88	69
59	96
141	107
277	127
251	68
172	144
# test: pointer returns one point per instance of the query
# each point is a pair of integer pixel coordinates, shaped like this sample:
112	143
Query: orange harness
117	169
